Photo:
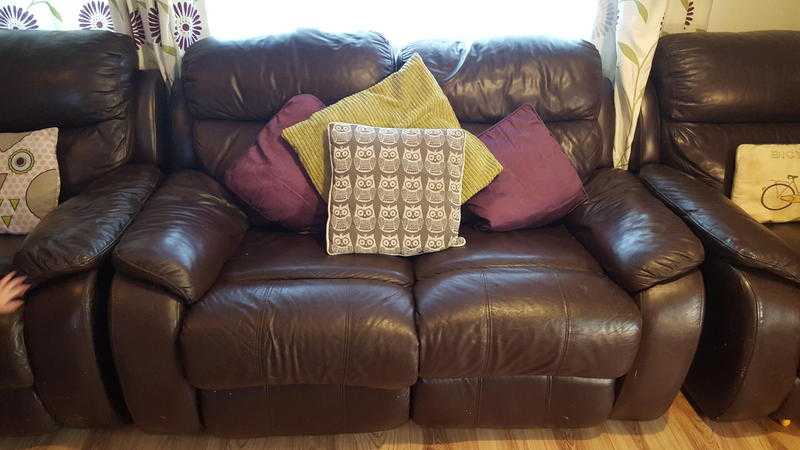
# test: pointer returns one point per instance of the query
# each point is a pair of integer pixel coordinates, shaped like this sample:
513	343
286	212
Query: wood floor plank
680	428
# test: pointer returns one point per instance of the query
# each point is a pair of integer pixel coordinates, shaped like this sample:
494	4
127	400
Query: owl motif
454	192
341	133
364	218
389	159
341	243
434	162
390	244
365	135
412	218
365	243
434	190
388	218
29	178
455	220
434	243
365	158
455	162
388	136
341	188
341	217
455	139
412	190
412	161
412	244
411	138
434	138
457	241
436	219
365	188
388	189
341	159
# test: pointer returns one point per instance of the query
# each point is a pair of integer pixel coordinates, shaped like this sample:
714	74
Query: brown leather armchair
709	93
55	359
225	324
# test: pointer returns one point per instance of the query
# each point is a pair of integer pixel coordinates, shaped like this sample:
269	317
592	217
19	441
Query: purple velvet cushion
538	184
269	176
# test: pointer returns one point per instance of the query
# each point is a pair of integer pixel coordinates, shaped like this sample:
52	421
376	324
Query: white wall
750	15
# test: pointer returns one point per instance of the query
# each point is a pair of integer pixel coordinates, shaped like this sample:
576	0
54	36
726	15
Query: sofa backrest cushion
231	89
489	79
79	81
719	90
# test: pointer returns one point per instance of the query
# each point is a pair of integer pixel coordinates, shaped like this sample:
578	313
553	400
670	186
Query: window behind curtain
404	21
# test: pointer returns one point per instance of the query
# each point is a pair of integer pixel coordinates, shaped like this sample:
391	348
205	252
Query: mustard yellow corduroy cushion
408	98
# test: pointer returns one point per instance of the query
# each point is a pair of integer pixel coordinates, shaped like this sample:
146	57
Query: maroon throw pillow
269	176
538	184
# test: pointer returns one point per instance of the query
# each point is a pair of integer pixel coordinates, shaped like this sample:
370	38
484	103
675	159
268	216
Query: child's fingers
7	277
18	291
10	307
16	281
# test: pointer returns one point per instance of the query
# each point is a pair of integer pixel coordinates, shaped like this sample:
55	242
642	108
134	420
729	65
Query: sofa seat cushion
283	312
524	303
274	255
552	247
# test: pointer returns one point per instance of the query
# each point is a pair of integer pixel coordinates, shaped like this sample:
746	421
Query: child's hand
12	288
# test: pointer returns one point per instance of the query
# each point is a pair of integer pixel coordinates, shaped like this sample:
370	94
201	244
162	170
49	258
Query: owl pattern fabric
394	191
29	179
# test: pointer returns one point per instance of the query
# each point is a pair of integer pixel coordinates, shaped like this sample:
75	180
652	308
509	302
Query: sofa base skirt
22	413
302	409
512	402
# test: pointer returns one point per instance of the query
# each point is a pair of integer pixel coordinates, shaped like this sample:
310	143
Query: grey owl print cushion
394	191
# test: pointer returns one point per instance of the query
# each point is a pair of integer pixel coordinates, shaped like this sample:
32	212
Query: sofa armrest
636	239
725	228
79	233
152	118
183	237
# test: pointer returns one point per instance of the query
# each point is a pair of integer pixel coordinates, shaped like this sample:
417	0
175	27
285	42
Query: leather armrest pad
721	224
80	232
183	237
637	240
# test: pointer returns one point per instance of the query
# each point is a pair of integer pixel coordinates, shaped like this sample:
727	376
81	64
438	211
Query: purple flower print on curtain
13	17
95	15
137	28
187	24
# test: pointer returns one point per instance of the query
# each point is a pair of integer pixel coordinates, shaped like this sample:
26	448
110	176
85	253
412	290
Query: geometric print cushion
394	191
29	179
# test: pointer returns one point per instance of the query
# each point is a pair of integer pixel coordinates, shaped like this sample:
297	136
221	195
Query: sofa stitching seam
567	325
511	266
488	316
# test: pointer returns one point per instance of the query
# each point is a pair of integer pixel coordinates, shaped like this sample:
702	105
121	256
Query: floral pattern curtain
626	33
161	29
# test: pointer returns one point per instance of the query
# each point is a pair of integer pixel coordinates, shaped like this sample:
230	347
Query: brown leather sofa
55	359
709	93
223	323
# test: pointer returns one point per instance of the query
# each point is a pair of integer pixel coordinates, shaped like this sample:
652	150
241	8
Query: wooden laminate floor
680	428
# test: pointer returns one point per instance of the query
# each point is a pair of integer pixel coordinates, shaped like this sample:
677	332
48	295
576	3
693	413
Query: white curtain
161	29
626	33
